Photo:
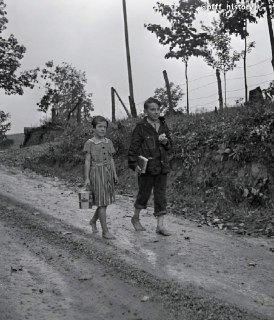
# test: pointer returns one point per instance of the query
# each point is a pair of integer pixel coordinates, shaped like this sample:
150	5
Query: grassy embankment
223	166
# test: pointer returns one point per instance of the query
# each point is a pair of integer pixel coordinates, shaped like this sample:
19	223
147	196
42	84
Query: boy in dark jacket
151	140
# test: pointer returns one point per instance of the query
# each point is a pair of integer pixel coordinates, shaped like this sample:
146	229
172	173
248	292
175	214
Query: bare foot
93	226
137	225
163	231
108	236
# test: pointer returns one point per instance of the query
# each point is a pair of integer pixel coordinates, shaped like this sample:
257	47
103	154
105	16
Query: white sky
89	34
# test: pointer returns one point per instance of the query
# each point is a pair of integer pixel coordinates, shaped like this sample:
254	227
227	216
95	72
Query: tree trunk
219	82
244	58
78	114
187	95
225	87
270	29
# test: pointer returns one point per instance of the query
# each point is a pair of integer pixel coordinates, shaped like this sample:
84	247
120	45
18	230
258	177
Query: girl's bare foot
108	235
93	226
137	225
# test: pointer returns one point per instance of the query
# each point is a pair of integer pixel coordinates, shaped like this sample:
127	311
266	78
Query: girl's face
101	129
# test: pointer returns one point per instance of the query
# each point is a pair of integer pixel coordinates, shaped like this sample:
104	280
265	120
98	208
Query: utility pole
131	95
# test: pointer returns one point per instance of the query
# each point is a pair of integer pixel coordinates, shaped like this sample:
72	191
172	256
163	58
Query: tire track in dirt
73	253
52	278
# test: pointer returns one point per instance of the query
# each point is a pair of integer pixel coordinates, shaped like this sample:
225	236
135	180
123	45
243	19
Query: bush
211	149
6	143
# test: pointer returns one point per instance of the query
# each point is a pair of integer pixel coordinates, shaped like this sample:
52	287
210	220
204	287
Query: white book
142	163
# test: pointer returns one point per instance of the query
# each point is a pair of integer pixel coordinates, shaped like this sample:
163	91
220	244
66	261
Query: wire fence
212	102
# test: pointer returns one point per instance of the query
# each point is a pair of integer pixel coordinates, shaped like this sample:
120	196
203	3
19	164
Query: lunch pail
85	199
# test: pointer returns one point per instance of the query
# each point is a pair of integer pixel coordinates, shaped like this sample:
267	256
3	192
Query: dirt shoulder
45	275
212	273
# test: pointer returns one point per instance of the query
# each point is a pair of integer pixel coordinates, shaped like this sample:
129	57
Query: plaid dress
101	174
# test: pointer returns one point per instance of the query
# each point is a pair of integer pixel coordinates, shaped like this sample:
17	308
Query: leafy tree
183	39
4	125
176	96
247	49
11	54
219	54
65	92
236	20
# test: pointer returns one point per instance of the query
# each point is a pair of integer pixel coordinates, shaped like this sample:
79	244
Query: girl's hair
151	100
98	119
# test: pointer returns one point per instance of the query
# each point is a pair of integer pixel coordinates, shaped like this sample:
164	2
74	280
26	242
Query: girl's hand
116	180
87	184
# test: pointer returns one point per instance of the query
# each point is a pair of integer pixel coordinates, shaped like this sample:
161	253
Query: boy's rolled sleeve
135	145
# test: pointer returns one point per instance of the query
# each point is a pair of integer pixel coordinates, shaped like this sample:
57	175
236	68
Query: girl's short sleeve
87	147
111	147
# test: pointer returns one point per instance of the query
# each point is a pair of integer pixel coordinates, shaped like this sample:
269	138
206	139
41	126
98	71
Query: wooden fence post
168	90
122	103
53	115
113	103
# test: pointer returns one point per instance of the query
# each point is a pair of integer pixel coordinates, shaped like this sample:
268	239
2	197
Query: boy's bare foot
108	235
137	225
163	231
93	226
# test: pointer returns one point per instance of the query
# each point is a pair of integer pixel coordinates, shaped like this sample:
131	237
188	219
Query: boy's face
101	129
153	111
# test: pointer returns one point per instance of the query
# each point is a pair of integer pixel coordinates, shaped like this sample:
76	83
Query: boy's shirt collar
155	124
161	119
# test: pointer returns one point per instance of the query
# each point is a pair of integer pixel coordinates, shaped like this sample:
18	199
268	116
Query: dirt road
52	267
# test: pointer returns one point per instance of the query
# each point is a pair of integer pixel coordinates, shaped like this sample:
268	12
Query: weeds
223	162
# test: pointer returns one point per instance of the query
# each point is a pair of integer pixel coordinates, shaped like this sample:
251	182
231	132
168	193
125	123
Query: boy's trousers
146	183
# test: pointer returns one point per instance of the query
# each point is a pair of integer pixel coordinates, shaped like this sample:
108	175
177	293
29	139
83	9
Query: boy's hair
98	119
151	100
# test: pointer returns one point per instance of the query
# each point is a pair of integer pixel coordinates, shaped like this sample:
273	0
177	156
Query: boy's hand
138	170
87	184
163	139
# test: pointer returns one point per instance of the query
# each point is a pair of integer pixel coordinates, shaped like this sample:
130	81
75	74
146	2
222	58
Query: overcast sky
89	34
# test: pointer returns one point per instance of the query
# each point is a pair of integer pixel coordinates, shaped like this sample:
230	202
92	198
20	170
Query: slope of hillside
17	138
223	165
13	141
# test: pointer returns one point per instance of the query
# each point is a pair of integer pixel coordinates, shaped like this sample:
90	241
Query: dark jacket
145	142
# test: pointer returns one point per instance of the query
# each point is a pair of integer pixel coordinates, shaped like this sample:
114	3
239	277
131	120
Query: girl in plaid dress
100	173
